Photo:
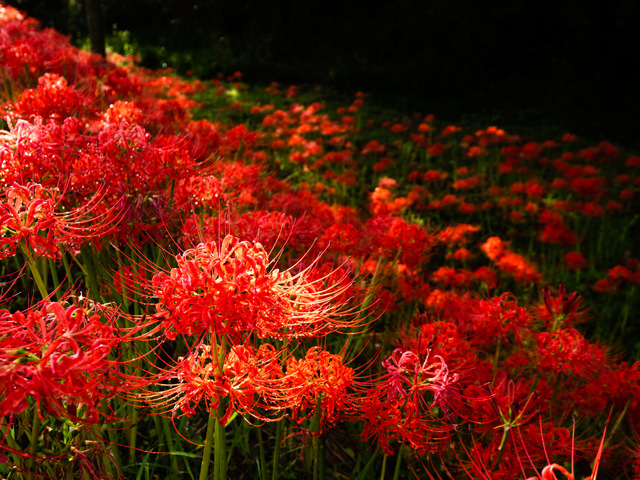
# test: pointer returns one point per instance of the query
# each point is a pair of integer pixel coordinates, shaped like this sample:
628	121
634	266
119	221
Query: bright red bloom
319	380
249	377
593	209
452	277
489	320
486	276
230	289
53	98
493	248
412	402
410	378
457	235
121	111
29	215
389	235
510	262
516	265
461	254
59	355
467	208
560	309
374	146
590	187
566	350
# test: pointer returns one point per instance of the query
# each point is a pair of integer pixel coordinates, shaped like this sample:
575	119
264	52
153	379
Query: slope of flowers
305	288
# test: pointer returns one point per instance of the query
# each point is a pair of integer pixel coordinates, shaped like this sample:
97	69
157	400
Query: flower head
59	355
29	214
230	289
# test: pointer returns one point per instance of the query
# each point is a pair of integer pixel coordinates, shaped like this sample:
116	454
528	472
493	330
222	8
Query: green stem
170	443
384	467
556	384
220	472
316	459
35	272
276	451
396	472
323	464
33	445
206	454
17	460
280	425
56	281
505	435
98	433
92	279
496	358
67	269
315	429
113	439
263	462
220	454
618	422
133	434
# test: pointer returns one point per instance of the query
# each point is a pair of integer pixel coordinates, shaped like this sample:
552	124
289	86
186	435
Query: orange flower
493	248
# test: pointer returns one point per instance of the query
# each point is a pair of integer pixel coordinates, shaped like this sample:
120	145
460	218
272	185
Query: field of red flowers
214	280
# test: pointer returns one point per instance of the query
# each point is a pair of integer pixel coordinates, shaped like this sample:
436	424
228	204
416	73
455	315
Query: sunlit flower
231	289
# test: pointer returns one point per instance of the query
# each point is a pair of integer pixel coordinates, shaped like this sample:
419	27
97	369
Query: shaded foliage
527	61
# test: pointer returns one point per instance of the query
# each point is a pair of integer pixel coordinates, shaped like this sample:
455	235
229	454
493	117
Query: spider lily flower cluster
225	300
61	355
227	289
317	288
28	216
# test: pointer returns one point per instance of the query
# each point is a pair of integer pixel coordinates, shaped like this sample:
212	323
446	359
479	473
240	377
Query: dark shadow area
564	64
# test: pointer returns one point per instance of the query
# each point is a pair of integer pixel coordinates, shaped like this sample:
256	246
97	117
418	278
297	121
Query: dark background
567	64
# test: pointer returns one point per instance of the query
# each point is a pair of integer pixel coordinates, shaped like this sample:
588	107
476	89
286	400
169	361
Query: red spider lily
268	228
561	309
312	217
28	52
29	215
345	238
514	403
489	320
493	248
320	378
121	111
482	458
575	261
58	355
410	378
510	262
9	13
387	421
452	277
52	99
39	152
557	233
249	377
486	277
566	350
548	472
389	236
426	333
412	402
229	289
